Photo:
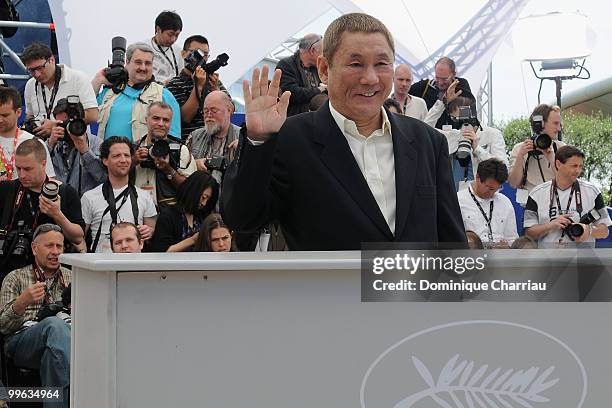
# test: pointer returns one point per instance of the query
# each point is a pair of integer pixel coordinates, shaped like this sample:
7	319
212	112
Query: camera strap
109	196
39	276
554	195
175	65
58	77
487	219
10	166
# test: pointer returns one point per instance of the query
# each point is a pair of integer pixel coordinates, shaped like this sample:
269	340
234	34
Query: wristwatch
171	174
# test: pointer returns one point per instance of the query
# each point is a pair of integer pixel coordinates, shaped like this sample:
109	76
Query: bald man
300	75
412	106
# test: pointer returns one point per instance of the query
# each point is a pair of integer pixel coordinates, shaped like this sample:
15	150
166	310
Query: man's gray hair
159	104
142	46
308	41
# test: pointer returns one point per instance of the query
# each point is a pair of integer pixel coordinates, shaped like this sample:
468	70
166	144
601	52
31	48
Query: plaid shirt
12	286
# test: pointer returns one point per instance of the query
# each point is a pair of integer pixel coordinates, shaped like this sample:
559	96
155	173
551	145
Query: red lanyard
10	166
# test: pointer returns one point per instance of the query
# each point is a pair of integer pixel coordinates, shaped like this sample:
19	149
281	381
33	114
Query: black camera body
116	73
196	59
75	124
576	230
29	125
50	309
162	148
16	242
464	148
216	162
540	139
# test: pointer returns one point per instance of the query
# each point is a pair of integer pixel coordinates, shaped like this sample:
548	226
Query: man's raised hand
265	112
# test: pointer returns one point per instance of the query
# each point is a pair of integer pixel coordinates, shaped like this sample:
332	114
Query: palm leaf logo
468	387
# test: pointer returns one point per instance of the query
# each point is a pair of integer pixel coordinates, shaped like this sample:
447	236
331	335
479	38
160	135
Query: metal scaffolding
5	50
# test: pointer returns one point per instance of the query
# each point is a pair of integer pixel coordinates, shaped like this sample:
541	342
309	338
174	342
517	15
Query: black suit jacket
294	80
307	178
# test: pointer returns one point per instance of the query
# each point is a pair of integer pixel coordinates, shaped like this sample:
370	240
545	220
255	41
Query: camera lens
161	148
77	127
50	190
575	230
542	141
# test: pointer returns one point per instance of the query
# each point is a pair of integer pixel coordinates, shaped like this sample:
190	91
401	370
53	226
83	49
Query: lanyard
39	276
487	219
175	65
10	167
554	193
49	107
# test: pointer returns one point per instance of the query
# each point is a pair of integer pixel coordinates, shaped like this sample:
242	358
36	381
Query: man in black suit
435	91
300	76
350	172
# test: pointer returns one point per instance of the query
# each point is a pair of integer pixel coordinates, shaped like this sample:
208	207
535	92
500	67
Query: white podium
289	330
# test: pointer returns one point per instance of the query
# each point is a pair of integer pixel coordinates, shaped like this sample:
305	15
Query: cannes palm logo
476	364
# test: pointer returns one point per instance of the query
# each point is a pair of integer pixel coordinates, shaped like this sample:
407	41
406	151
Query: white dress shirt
374	156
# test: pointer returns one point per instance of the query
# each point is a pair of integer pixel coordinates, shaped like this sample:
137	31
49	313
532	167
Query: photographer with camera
566	211
167	62
534	163
161	162
195	82
34	318
213	146
75	152
33	200
11	136
124	101
117	199
51	82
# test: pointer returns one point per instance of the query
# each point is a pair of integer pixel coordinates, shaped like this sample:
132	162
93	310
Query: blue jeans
459	171
45	347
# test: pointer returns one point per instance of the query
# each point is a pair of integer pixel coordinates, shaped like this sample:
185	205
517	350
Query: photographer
167	63
117	199
530	165
566	211
123	107
469	143
33	200
162	163
50	83
218	139
75	155
11	136
34	318
193	84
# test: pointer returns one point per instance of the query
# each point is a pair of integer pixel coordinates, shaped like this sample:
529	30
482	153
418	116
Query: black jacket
307	178
294	80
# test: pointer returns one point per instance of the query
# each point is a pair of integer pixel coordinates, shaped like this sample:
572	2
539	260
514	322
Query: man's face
167	37
47	247
487	188
552	126
217	115
444	76
220	240
8	117
124	240
194	45
31	171
159	121
119	160
571	169
360	76
402	80
140	67
43	70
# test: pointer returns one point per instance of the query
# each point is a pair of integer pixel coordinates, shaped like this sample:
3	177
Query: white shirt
503	221
167	61
415	108
93	205
374	156
7	144
490	144
538	207
72	82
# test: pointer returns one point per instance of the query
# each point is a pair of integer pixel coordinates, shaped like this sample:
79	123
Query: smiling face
360	76
140	66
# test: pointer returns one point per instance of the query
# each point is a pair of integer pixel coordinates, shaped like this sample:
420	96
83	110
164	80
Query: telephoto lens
50	190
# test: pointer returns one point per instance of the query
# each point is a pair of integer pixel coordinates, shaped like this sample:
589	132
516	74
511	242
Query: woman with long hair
215	236
177	226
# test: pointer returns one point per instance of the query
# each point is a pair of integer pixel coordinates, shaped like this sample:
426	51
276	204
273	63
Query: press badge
521	196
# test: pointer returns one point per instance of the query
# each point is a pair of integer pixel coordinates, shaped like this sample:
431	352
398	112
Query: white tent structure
469	32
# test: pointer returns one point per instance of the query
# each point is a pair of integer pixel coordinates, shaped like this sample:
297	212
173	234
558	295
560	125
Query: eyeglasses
443	79
44	228
313	44
38	68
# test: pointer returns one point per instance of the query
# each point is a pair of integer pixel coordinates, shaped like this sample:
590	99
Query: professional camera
116	73
464	119
216	163
16	242
75	124
196	59
29	125
50	309
162	148
576	230
540	139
